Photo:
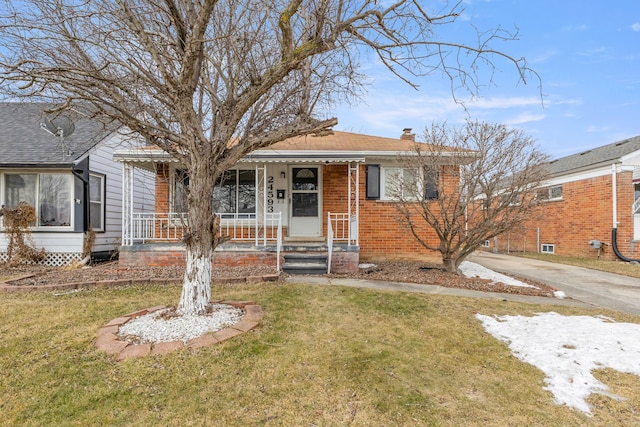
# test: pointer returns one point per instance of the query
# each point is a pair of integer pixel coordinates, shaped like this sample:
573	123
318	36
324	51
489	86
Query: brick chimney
407	135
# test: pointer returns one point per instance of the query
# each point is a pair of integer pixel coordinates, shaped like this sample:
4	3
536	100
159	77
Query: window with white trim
393	183
96	201
547	248
398	182
549	193
49	193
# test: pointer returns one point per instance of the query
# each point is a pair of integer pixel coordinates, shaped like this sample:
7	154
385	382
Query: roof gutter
37	166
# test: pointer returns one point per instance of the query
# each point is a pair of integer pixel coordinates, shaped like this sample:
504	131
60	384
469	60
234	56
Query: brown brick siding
157	256
380	234
171	256
585	213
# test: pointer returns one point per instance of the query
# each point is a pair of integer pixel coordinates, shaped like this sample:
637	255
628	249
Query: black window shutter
373	182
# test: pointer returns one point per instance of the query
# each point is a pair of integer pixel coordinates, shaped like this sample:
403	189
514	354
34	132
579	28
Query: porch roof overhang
144	157
147	157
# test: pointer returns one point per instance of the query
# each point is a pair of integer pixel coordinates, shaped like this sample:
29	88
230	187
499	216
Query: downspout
614	230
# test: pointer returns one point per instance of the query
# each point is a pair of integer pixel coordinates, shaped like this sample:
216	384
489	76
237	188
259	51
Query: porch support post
127	204
354	203
262	169
357	223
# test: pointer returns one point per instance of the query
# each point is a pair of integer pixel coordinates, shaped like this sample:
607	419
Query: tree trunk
199	242
196	287
450	263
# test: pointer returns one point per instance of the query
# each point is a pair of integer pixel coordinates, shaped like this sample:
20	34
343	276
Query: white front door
306	204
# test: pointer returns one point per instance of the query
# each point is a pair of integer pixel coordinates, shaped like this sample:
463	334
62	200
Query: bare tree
468	184
209	81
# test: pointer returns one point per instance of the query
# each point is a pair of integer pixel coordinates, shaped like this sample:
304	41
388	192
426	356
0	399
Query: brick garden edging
107	337
7	287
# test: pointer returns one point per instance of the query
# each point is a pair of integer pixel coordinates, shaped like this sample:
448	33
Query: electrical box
595	244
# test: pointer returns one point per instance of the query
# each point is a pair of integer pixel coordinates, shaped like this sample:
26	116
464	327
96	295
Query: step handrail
329	242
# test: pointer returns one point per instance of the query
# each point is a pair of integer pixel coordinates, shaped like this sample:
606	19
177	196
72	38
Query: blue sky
587	54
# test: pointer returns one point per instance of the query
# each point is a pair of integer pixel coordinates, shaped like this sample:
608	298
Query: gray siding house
61	164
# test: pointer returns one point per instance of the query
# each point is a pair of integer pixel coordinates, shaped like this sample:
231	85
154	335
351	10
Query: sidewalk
431	289
596	288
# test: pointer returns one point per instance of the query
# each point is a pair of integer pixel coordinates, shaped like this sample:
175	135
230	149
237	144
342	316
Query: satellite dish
60	127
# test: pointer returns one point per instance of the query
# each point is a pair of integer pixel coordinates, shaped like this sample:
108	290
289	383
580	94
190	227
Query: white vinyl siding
52	242
101	162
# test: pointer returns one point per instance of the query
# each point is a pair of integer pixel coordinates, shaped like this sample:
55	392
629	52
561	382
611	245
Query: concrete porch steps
305	263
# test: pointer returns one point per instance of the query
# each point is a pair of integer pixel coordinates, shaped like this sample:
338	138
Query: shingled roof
344	141
23	143
605	155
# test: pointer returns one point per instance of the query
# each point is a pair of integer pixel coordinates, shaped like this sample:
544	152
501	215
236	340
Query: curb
108	342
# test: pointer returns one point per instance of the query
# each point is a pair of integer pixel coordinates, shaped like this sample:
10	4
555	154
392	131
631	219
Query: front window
636	203
407	184
180	191
235	192
399	183
49	193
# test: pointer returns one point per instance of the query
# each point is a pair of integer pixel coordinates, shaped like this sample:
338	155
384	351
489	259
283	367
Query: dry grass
323	356
617	267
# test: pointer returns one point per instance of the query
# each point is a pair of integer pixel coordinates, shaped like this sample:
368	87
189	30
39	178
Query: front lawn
323	356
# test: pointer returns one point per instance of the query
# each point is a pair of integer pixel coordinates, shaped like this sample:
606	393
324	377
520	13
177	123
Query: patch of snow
366	265
471	269
568	348
154	328
559	295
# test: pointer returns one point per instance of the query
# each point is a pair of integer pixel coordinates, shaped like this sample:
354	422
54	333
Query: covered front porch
280	210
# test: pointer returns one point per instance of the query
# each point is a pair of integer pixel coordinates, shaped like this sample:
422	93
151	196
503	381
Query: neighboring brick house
326	195
588	195
62	165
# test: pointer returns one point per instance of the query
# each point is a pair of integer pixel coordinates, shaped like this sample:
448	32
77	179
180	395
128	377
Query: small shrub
17	223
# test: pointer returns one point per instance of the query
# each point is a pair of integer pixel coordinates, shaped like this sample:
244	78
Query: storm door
305	213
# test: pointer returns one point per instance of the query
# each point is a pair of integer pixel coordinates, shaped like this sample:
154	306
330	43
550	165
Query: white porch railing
344	227
329	242
161	227
341	227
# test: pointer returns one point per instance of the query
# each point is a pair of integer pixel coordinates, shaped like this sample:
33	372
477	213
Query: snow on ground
568	348
559	295
471	269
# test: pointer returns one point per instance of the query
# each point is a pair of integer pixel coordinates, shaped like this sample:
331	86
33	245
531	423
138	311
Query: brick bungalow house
324	199
588	195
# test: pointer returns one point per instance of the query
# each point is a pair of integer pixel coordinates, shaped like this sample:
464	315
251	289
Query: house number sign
270	194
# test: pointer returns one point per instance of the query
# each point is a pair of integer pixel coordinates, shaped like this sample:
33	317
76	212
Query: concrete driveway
593	287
